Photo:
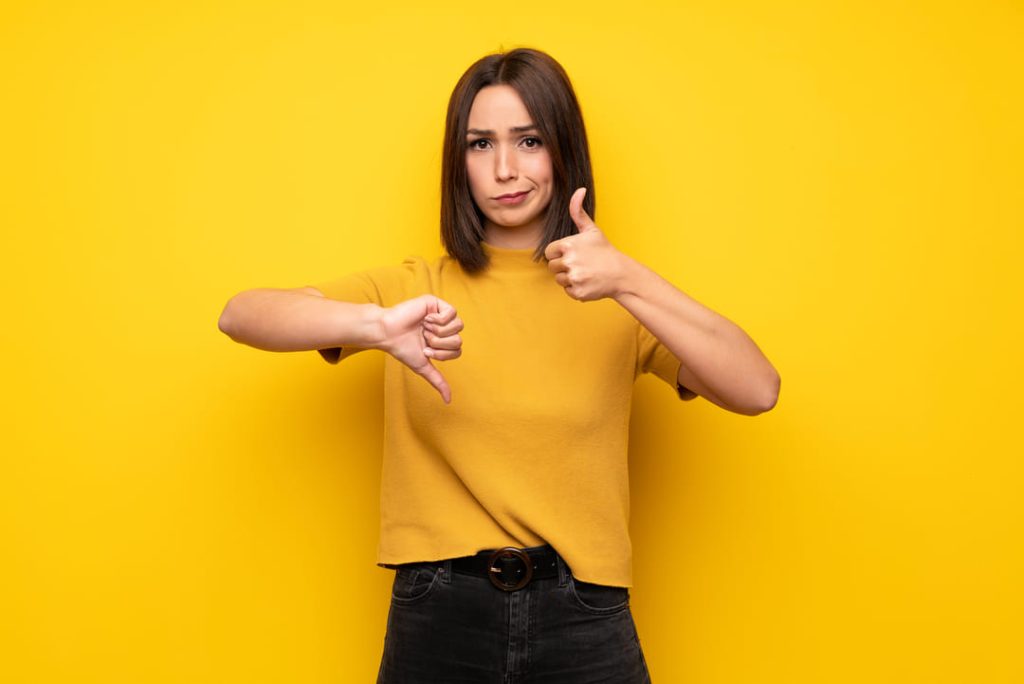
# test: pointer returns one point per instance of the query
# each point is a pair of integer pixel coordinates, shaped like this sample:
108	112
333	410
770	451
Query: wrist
356	326
628	273
373	326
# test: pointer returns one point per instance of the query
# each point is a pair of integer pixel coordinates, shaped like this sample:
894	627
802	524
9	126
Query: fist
420	329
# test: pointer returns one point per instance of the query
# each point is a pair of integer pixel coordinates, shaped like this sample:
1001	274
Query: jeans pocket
599	599
414	583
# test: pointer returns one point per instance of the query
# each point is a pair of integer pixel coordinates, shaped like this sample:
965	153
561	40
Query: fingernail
428	352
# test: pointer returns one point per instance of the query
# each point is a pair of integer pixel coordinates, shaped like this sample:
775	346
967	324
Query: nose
505	164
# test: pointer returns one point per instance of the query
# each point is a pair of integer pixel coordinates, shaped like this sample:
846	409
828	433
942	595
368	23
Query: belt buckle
509	552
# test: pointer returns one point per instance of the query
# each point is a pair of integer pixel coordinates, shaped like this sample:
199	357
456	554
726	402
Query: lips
512	199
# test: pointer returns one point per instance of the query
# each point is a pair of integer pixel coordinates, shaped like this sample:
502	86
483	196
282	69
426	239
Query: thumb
434	377
579	216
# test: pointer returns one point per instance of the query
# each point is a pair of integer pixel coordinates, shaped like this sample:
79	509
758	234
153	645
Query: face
506	156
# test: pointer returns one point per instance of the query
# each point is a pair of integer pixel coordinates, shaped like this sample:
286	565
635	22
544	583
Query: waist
508	568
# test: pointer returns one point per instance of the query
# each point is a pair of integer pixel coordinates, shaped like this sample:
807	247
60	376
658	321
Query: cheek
477	191
473	177
542	169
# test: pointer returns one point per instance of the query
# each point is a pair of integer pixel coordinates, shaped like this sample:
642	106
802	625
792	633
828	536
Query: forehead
499	105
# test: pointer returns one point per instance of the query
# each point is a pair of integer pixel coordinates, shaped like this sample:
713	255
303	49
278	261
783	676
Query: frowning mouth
512	197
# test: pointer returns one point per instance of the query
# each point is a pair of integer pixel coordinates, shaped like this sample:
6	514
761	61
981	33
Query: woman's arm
717	359
300	319
415	331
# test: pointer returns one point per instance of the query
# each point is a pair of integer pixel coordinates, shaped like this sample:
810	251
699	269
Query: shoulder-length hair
546	91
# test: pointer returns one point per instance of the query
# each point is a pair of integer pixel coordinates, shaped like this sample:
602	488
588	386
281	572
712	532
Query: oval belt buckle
509	552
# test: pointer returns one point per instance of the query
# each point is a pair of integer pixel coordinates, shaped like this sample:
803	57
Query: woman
505	504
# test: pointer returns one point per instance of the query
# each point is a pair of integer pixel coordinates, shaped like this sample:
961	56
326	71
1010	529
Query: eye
473	144
532	139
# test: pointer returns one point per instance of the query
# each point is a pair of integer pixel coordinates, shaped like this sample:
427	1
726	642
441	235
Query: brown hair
546	91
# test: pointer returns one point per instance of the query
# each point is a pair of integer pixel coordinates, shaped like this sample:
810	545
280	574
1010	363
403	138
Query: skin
302	319
502	160
719	361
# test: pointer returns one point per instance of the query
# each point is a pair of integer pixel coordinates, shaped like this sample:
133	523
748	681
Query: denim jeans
450	627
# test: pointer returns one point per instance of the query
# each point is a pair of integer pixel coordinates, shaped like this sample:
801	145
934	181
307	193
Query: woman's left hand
586	264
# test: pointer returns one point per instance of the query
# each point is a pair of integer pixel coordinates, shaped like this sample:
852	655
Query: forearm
719	359
283	320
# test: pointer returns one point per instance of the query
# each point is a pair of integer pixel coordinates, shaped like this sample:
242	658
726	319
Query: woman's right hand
418	330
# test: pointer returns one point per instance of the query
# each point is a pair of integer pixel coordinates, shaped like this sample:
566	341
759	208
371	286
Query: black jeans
450	627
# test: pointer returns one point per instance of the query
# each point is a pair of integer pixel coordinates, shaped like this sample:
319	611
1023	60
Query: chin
512	226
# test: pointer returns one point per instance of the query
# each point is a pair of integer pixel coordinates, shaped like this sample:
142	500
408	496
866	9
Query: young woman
505	501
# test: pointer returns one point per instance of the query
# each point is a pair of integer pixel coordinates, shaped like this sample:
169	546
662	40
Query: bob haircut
548	95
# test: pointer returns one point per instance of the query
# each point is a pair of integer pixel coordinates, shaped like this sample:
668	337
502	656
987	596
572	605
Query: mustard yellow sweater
532	448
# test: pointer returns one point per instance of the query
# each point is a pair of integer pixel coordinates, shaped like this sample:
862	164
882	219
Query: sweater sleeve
383	285
654	357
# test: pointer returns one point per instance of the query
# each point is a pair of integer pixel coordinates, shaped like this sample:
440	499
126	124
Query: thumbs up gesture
585	264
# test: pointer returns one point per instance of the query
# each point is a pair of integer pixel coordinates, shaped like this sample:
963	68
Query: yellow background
842	182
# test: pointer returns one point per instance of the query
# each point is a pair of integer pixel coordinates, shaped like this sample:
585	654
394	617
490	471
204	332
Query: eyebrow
514	129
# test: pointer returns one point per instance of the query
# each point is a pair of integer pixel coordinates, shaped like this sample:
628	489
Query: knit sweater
532	449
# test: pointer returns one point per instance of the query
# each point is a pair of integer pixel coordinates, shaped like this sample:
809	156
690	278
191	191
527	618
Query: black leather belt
510	568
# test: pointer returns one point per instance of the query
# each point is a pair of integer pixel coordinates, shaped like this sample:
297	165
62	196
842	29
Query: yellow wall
844	183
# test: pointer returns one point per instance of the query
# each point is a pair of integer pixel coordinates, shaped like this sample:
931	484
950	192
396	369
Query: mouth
512	196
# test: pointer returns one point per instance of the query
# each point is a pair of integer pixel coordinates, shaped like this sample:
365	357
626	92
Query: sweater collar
505	259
